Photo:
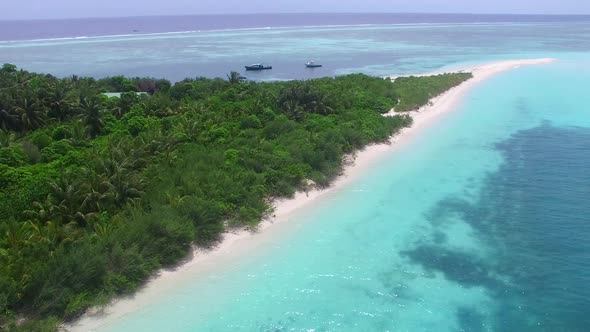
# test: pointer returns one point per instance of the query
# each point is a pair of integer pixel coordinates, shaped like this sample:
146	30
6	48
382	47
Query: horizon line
294	13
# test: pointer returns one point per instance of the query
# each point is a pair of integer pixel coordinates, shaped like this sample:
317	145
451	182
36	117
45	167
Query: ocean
213	46
478	223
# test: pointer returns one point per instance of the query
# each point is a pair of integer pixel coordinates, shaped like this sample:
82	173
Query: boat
312	64
258	66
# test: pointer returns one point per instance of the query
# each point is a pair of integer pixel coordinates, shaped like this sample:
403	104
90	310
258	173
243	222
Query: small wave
100	36
277	28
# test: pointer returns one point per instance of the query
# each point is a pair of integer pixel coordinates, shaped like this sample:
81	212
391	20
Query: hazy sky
27	9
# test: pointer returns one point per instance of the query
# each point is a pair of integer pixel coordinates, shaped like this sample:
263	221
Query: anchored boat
312	64
258	66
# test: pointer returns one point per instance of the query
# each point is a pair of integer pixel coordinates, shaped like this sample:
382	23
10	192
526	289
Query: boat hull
258	68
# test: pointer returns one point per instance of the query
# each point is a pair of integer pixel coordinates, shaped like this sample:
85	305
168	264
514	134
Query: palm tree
78	134
5	139
92	116
18	233
102	229
127	153
126	102
94	192
60	102
8	68
176	200
68	202
189	127
53	233
64	196
123	182
8	121
42	212
321	104
234	78
293	110
31	113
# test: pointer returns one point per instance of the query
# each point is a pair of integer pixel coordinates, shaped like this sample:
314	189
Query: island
106	181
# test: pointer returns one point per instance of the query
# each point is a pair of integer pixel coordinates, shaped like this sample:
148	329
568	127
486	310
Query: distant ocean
212	46
93	27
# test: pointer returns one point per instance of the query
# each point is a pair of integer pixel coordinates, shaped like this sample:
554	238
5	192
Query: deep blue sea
93	27
480	222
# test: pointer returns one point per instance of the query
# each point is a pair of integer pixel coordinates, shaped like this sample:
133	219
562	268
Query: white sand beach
238	243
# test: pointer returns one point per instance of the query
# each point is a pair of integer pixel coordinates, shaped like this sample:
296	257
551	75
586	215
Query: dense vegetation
416	91
97	193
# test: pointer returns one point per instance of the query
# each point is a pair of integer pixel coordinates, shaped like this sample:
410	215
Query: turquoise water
479	223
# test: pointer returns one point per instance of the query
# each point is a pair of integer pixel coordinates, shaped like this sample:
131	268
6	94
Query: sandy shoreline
238	243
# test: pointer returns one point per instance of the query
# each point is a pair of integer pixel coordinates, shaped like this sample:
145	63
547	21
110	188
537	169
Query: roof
118	94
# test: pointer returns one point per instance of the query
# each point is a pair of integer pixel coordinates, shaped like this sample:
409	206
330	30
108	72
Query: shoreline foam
237	243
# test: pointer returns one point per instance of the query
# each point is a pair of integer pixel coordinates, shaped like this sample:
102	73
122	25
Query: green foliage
61	132
66	283
136	125
92	114
49	324
12	156
56	150
415	92
117	84
96	193
10	176
40	139
251	122
32	151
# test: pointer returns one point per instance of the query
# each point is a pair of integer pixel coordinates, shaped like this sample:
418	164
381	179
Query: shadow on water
534	213
457	266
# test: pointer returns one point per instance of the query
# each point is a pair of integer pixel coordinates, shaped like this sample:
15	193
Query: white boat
312	64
